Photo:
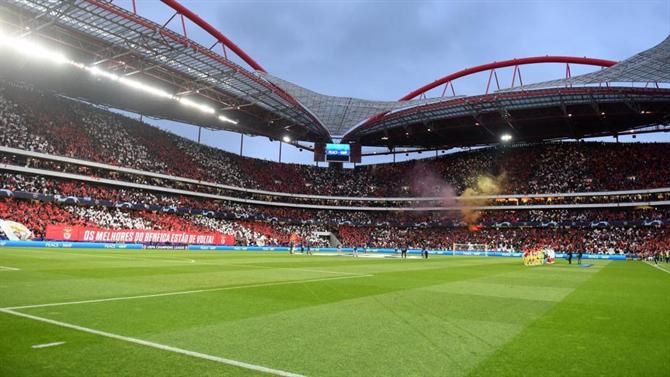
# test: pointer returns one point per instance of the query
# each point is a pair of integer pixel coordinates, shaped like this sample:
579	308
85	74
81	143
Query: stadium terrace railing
92	164
125	184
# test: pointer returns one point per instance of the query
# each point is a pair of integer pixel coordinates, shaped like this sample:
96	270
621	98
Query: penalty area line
5	268
177	293
657	267
47	345
146	343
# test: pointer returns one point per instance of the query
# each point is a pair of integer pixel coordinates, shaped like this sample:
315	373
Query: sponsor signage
64	232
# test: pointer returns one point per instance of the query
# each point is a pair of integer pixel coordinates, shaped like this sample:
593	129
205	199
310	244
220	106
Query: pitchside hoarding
64	232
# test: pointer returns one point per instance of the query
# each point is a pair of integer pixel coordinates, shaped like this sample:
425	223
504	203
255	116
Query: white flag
15	231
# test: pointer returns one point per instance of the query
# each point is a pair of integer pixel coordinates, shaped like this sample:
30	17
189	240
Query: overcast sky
385	49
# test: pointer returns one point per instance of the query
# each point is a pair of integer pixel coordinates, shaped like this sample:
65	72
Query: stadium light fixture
36	51
506	137
286	139
95	71
385	137
145	88
204	108
32	49
224	118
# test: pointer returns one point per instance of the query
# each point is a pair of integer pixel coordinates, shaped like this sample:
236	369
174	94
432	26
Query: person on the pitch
579	256
403	252
424	252
355	251
569	256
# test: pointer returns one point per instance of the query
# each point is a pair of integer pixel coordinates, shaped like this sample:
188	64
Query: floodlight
95	71
36	51
226	119
32	49
195	105
145	88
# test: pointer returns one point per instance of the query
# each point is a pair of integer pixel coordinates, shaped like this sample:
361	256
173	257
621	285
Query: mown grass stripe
159	346
176	293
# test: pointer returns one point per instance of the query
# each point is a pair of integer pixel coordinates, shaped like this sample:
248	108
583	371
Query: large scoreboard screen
338	152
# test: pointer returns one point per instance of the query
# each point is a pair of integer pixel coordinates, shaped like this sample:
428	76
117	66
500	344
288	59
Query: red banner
64	232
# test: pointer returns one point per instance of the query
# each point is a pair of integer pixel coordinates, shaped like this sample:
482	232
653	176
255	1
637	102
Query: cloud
385	49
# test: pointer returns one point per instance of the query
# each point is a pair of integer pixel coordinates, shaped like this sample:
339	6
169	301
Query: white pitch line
5	268
657	267
176	293
36	346
146	343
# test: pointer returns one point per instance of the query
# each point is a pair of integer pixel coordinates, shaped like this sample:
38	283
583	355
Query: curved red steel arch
508	63
214	32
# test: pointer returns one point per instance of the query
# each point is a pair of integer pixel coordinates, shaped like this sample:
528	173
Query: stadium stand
69	188
34	121
598	240
37	121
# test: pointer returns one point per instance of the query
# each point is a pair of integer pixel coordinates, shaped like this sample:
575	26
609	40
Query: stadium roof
98	36
101	34
340	114
650	66
621	97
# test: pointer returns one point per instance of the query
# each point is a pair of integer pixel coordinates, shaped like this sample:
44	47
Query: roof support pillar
280	144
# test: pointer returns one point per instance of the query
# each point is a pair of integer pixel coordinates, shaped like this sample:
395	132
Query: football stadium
506	232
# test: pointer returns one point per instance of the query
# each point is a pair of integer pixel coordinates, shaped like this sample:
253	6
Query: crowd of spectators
110	218
234	210
37	121
37	215
243	235
161	183
123	177
611	240
43	122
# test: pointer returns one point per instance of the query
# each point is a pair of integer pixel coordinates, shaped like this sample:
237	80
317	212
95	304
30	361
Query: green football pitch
141	313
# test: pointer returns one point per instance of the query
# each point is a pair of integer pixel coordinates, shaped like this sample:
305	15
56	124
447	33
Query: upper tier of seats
37	121
36	184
